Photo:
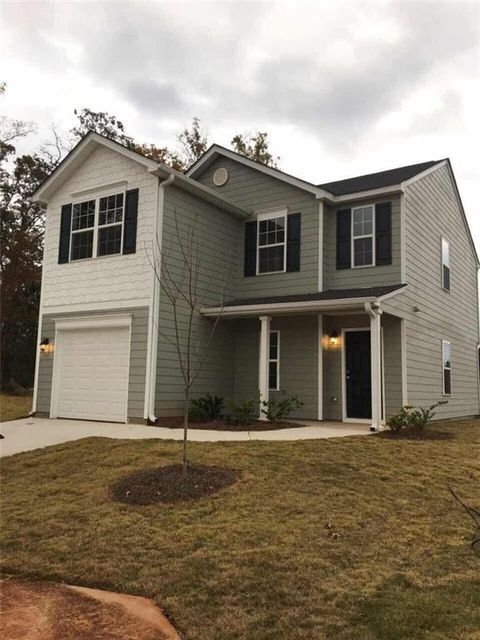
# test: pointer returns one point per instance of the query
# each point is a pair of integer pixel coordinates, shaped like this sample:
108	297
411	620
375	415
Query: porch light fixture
333	337
45	345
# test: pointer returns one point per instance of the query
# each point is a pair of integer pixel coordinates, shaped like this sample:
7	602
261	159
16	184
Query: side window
274	361
447	367
83	223
271	245
364	236
445	264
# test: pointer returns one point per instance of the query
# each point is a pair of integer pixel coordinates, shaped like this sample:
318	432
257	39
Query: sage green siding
431	314
298	361
364	276
253	190
138	355
215	234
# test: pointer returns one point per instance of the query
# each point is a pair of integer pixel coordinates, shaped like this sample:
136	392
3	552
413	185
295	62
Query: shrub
413	417
244	412
275	410
206	408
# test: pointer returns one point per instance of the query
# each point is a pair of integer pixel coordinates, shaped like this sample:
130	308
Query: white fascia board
366	195
93	322
286	307
216	150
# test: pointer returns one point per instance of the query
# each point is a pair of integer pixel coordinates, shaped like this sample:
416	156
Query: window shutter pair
383	236
293	245
129	227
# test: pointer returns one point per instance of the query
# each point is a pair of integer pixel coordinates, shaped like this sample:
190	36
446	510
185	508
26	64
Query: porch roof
330	300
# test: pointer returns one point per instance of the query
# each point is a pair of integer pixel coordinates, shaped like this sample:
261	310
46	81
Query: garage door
92	373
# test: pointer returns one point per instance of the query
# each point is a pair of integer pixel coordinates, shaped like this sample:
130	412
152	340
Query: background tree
256	147
193	142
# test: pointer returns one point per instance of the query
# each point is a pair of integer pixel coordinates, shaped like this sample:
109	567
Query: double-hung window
445	264
272	242
447	367
97	227
363	233
274	361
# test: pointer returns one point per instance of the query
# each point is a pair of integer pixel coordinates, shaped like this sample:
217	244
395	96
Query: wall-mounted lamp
45	346
333	337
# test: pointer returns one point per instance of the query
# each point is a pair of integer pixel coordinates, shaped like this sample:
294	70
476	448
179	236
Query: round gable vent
220	177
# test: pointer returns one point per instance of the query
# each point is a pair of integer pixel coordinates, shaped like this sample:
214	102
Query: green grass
14	407
255	562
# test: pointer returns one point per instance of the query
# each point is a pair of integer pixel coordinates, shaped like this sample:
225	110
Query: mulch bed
167	484
223	425
414	434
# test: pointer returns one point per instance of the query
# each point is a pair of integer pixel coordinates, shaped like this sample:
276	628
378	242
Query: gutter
152	353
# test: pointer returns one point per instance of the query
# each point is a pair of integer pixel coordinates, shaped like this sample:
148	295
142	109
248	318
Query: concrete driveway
35	433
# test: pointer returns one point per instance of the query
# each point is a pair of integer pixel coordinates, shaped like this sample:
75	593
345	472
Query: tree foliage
256	147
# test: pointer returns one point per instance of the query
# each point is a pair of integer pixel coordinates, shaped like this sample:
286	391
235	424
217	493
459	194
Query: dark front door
358	374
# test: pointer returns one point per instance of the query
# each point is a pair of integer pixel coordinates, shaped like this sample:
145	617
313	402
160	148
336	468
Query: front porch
342	358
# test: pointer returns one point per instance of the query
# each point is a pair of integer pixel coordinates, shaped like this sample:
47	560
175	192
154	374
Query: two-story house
359	296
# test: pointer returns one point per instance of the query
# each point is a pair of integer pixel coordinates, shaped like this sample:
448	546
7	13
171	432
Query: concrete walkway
35	433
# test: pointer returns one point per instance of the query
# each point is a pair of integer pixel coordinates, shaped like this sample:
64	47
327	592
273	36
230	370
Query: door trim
84	322
345	418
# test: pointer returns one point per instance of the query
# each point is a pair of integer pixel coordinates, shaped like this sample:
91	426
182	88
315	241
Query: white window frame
277	360
444	368
367	235
96	226
280	213
444	241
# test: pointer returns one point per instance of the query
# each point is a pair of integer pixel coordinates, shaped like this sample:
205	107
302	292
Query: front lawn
353	538
14	407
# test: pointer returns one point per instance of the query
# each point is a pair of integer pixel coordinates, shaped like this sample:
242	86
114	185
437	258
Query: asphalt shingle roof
376	180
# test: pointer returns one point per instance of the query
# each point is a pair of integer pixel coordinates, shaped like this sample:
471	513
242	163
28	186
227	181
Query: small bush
206	409
275	410
243	412
413	417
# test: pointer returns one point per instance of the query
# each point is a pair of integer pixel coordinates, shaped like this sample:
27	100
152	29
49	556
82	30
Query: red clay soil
46	611
222	425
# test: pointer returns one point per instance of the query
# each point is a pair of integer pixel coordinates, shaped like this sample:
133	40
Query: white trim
93	322
403	335
271	216
363	237
210	156
393	293
277	360
99	192
82	307
419	176
364	195
444	368
320	245
443	240
320	365
263	346
85	322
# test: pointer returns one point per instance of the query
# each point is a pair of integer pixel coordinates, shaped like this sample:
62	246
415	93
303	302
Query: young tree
255	147
193	142
188	288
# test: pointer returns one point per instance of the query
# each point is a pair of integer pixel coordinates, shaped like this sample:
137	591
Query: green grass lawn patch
350	538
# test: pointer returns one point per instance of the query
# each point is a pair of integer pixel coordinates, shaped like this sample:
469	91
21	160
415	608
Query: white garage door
92	374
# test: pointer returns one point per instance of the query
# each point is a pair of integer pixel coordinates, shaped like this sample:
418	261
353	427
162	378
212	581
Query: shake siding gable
432	210
255	191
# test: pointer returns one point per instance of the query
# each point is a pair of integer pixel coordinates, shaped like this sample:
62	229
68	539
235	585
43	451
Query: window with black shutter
383	233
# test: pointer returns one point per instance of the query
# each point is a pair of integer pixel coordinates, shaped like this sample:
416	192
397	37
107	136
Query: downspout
152	356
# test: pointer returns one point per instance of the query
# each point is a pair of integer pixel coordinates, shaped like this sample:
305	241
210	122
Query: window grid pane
82	245
271	259
110	240
111	209
273	360
83	216
363	222
363	252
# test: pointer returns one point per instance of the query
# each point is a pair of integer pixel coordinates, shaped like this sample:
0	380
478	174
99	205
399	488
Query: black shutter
344	239
294	227
130	223
383	233
65	226
250	257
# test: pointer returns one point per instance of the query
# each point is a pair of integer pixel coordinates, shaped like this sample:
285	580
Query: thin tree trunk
185	430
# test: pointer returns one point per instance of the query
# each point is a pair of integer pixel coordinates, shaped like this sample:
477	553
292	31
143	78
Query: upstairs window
274	361
447	367
271	244
363	233
445	264
97	227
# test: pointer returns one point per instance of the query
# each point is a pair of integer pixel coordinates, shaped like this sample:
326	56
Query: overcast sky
343	88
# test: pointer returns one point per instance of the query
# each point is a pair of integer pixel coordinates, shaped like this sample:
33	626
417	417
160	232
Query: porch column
376	364
263	361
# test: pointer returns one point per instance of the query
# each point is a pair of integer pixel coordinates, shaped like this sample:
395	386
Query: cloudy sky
343	88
